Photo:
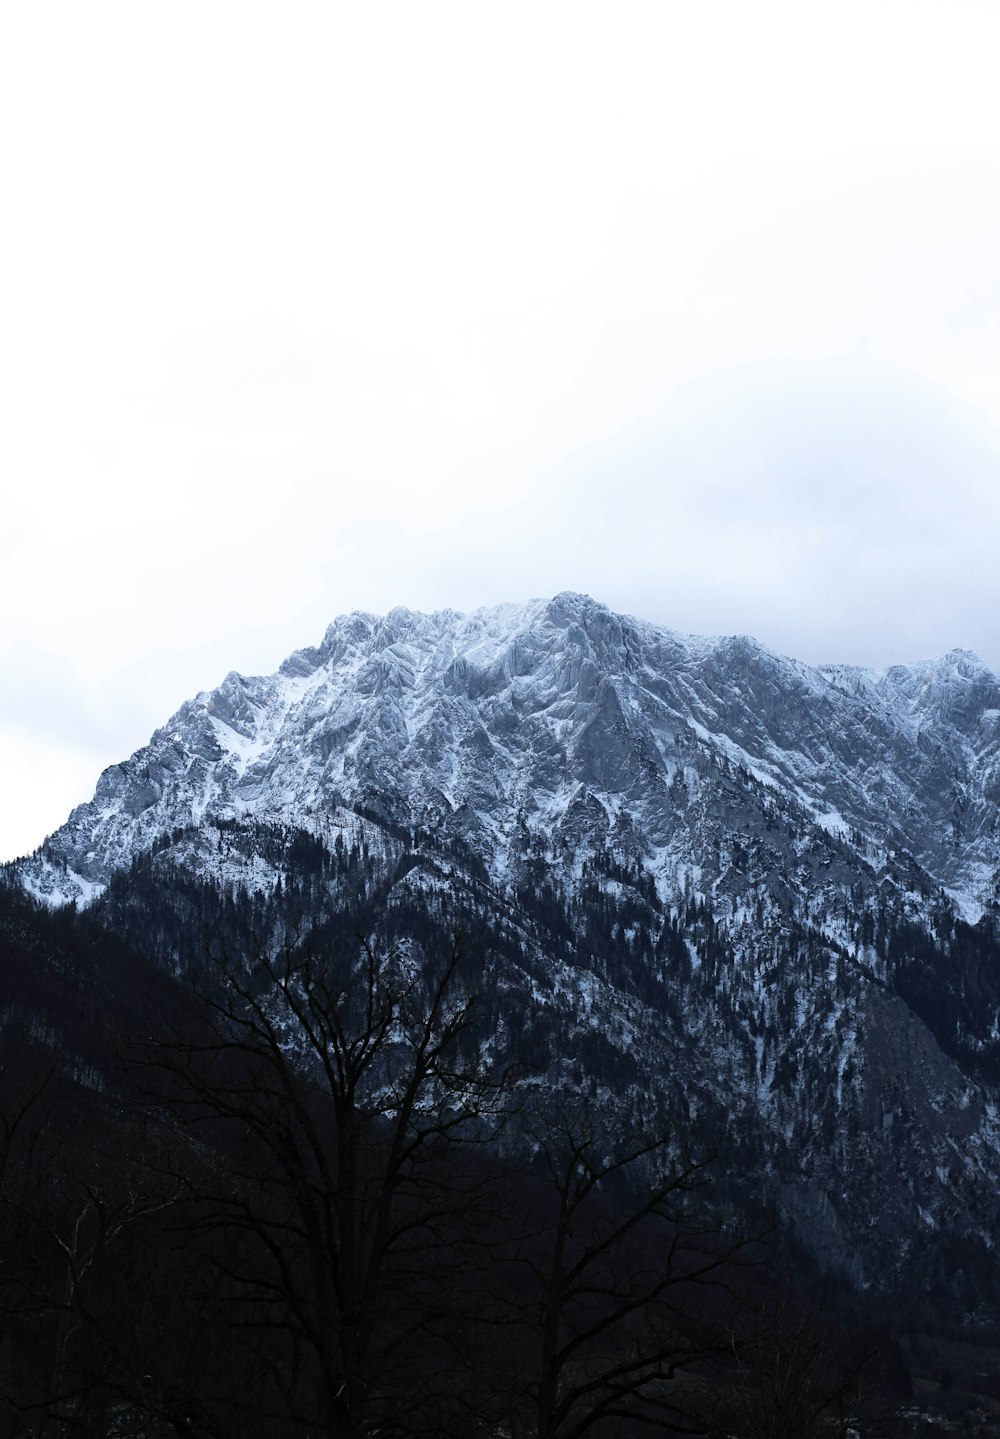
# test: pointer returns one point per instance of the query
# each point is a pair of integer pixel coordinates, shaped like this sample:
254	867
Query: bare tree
789	1370
606	1285
337	1087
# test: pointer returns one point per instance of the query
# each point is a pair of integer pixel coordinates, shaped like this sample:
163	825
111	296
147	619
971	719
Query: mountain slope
573	723
754	899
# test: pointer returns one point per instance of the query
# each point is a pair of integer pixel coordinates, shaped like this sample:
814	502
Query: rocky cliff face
582	727
778	884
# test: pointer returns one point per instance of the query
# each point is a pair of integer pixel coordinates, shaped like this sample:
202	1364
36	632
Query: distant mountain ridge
522	714
750	900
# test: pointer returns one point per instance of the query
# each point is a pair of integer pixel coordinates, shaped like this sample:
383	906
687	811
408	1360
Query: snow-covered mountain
584	728
776	884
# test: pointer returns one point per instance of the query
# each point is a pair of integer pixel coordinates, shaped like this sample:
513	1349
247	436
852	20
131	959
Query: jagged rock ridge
768	871
580	725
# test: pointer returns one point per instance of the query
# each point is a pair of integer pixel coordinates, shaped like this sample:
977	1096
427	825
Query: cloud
836	506
45	696
355	311
836	509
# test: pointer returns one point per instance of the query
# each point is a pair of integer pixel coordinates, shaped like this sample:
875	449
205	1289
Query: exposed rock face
813	836
522	713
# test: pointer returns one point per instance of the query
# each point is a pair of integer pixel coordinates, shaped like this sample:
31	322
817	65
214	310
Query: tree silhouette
604	1283
340	1089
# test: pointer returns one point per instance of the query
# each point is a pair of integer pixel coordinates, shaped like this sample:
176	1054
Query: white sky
307	308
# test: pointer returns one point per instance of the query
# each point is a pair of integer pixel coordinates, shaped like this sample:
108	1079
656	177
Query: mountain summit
736	898
563	720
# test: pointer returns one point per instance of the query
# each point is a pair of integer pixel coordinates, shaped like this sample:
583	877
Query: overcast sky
307	308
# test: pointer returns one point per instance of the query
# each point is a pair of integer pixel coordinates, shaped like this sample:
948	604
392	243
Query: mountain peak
504	714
